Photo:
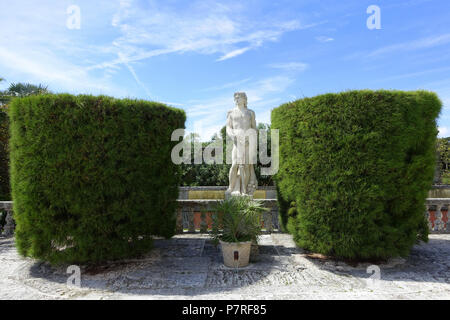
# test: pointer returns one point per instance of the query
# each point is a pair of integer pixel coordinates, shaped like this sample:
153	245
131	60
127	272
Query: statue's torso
241	119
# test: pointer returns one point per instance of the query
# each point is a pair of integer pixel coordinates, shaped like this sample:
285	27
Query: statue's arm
229	127
253	120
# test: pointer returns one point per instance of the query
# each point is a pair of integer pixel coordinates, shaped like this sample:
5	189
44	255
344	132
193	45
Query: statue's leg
246	177
233	174
253	179
232	178
243	176
246	168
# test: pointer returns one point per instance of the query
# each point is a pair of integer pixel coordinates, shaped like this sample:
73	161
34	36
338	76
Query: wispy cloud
133	73
208	116
412	45
324	39
414	74
38	47
233	84
444	132
233	53
40	67
446	102
290	66
212	28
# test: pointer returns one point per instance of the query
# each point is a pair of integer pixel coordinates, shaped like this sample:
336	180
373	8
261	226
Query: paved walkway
190	267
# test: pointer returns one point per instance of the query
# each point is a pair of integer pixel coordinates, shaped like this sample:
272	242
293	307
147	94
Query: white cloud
37	47
446	102
205	28
234	84
209	115
290	66
414	74
444	132
40	49
413	45
233	53
39	67
324	39
135	76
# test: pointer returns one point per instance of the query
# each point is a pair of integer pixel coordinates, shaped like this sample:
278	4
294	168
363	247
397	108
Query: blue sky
195	54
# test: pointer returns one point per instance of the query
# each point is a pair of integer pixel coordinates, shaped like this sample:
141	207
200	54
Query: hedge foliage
355	169
91	177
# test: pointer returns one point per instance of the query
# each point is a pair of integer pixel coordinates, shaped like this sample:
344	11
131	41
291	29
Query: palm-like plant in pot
236	224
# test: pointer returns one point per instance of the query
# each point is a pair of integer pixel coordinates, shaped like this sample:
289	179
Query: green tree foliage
4	157
355	169
443	149
92	177
13	91
21	90
4	172
217	174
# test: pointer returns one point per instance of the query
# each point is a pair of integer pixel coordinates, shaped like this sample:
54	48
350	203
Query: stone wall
191	193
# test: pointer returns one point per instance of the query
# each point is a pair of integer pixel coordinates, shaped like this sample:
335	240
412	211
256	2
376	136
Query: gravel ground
190	267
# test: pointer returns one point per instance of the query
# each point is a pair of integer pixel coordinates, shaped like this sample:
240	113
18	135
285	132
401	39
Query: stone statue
241	124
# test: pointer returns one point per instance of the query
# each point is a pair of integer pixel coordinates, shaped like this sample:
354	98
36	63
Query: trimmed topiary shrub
358	165
91	177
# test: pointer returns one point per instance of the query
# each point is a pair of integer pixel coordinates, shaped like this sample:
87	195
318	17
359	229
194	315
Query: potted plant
236	224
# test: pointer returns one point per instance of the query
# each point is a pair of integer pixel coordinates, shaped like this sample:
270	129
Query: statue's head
240	98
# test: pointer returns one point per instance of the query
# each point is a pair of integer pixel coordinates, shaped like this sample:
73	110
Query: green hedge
4	159
357	166
91	177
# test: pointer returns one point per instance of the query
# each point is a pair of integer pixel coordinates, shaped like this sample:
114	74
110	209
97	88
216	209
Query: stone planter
236	254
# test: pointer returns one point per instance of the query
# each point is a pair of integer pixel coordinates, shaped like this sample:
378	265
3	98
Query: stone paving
190	267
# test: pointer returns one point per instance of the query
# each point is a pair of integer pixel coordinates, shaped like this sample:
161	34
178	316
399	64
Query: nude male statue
240	122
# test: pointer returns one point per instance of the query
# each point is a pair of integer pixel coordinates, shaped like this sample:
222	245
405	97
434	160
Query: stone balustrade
195	215
437	214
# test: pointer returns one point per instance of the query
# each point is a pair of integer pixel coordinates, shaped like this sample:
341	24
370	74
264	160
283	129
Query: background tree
217	174
4	172
15	90
443	149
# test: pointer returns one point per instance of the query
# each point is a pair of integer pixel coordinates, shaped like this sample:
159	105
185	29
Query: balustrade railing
437	214
195	215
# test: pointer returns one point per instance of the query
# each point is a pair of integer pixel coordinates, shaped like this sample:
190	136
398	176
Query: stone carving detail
241	130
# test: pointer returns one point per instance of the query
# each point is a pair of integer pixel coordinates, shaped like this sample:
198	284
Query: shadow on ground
190	265
427	262
186	265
